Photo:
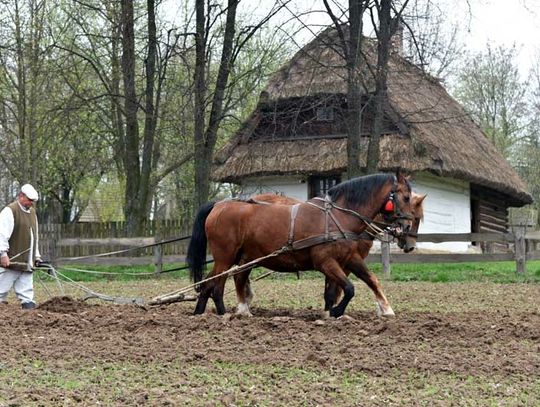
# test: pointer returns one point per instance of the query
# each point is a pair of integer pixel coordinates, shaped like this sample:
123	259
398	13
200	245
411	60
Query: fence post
158	258
520	249
385	255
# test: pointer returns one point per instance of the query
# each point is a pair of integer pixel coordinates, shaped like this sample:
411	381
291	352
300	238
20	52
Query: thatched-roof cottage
295	142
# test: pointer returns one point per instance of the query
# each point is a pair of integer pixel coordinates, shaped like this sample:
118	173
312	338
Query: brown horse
315	235
406	241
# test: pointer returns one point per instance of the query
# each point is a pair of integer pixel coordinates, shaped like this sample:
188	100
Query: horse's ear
401	176
420	199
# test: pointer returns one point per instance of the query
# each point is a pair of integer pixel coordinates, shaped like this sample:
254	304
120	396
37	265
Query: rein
373	229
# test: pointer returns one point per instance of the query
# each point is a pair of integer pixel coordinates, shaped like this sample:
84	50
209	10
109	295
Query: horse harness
374	229
332	236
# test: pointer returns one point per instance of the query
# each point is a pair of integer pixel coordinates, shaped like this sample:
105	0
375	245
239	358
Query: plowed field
450	344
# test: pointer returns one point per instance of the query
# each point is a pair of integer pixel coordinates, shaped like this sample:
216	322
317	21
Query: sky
506	23
494	22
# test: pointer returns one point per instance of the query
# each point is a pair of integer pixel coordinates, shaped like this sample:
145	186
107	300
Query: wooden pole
385	255
520	249
158	258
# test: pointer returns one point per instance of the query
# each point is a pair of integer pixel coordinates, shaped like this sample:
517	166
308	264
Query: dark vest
20	238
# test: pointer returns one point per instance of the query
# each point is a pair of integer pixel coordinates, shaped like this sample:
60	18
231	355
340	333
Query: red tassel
389	206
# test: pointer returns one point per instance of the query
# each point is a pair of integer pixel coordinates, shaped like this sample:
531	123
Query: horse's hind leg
361	270
332	293
217	294
202	300
244	294
213	288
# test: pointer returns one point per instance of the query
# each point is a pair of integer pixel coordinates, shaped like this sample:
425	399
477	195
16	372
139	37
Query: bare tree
430	40
234	39
526	154
490	89
351	43
388	21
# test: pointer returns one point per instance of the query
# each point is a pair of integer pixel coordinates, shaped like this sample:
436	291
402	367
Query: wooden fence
59	241
520	244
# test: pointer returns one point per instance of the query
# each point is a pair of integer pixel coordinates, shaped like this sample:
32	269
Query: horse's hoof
384	313
345	318
243	310
243	314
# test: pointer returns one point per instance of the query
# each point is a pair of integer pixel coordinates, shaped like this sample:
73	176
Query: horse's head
397	207
378	194
407	241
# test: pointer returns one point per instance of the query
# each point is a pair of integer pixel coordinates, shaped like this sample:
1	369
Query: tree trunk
201	164
354	90
205	140
131	145
384	36
387	28
144	197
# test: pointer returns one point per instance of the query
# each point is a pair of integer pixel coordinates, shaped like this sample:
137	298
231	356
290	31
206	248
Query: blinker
389	206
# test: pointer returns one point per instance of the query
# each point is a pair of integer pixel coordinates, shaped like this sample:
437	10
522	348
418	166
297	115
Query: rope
230	272
45	287
19	254
95	294
120	273
372	228
177	239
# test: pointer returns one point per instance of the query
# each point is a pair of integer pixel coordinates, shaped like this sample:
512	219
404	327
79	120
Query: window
325	114
319	186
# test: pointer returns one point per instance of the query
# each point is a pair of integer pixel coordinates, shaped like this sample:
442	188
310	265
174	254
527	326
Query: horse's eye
407	199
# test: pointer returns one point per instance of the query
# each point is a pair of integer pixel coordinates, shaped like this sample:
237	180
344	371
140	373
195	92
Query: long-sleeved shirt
7	224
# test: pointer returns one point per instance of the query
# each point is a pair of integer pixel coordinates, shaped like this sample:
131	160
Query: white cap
30	192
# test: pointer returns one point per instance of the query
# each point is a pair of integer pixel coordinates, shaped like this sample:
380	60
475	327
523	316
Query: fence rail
59	241
520	244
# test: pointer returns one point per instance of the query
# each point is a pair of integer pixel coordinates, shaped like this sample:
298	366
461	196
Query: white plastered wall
447	209
294	187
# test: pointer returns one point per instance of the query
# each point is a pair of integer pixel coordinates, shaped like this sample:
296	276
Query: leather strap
320	239
294	213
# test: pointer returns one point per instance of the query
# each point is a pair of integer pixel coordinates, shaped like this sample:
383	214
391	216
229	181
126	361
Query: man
19	247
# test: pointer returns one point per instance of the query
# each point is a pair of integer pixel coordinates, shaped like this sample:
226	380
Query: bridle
390	210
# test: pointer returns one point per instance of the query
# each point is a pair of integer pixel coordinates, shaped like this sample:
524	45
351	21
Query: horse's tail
196	253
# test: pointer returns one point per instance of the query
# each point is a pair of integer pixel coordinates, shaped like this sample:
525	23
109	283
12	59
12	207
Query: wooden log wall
489	215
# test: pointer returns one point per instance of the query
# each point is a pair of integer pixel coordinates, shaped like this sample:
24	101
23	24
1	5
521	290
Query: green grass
223	384
495	272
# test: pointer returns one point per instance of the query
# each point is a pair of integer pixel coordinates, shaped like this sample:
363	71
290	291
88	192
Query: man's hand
4	260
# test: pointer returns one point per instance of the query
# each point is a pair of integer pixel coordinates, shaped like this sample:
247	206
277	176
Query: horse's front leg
244	293
336	275
360	269
332	293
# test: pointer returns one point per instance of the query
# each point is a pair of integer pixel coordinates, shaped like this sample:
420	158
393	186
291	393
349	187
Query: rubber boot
28	305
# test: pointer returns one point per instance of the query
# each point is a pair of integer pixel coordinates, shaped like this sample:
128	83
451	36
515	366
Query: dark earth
63	332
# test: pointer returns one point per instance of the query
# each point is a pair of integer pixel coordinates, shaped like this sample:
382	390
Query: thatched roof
441	137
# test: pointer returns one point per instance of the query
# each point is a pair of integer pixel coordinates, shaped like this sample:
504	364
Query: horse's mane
357	191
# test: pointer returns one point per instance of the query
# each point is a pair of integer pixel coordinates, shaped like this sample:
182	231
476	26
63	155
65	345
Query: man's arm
7	223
